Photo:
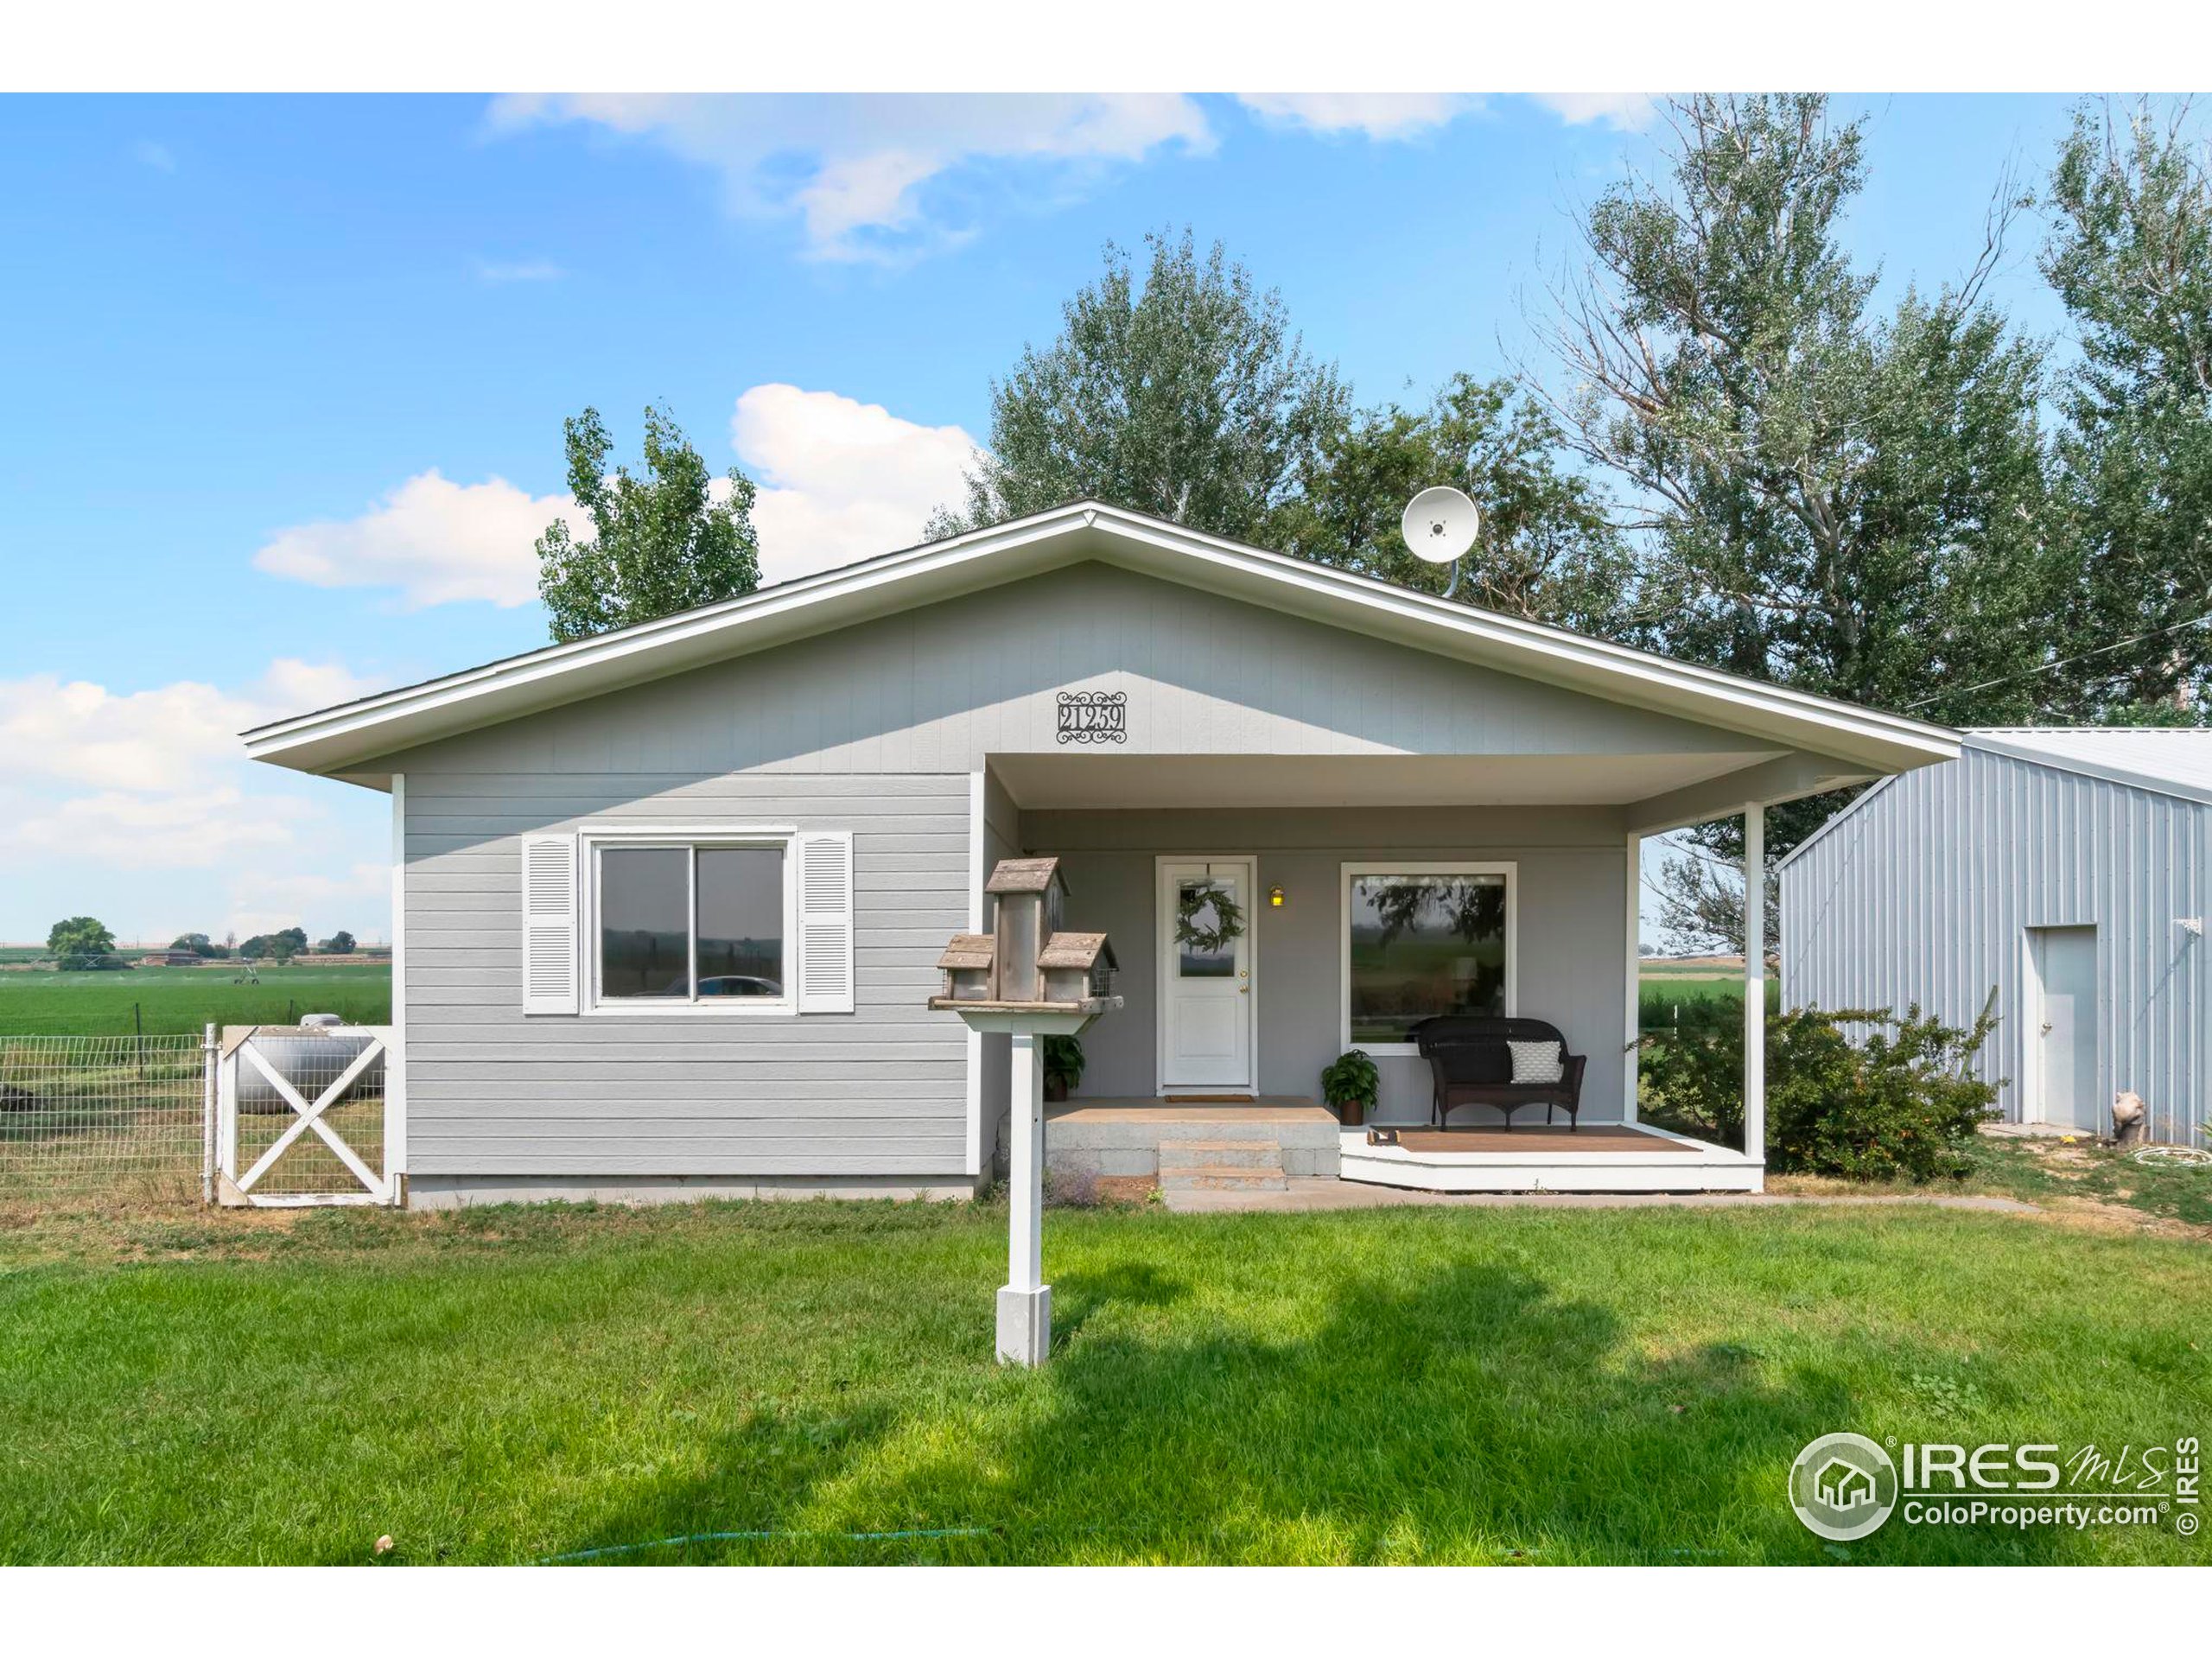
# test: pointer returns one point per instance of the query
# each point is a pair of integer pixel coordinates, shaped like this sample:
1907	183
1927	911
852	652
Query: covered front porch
1271	913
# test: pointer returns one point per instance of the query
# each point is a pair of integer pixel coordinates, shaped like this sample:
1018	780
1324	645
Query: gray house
2065	869
669	901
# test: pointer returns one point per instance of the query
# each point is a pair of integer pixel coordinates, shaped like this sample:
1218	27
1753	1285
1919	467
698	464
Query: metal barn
2064	867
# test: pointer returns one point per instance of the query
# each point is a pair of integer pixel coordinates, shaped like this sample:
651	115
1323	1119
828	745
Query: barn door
303	1117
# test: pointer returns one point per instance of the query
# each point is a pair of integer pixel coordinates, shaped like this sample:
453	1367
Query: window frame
782	838
1351	869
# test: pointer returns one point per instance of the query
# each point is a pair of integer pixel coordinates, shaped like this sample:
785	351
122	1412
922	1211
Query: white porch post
1024	1323
1755	985
1632	926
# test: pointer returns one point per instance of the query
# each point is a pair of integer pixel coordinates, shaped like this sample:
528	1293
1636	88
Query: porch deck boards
1555	1139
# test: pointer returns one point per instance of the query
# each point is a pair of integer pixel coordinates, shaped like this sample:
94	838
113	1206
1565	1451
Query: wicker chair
1471	1066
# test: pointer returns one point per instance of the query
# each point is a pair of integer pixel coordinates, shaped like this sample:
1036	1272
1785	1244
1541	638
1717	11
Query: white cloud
1624	112
840	480
191	829
79	732
434	540
857	171
261	904
1374	115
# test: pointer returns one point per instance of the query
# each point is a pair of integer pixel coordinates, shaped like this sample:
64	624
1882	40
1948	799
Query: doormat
1208	1100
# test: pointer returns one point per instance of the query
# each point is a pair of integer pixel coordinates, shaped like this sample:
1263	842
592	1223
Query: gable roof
351	733
2173	761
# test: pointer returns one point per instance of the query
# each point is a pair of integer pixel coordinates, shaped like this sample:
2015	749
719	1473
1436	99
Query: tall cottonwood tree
1184	394
2130	255
1548	550
661	543
1839	498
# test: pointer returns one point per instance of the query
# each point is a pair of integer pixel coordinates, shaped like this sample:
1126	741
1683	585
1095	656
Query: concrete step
1243	1154
1222	1178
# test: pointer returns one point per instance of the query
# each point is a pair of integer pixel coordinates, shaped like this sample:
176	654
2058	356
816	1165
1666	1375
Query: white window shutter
825	922
548	925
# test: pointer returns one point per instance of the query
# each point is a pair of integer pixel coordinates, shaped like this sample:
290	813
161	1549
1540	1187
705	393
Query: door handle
1244	990
2046	1027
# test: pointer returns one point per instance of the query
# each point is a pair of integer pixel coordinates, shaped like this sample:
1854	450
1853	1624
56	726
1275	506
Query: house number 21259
1094	717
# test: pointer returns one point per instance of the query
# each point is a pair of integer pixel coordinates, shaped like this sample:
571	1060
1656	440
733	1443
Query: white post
1026	1302
210	1058
1632	924
1755	986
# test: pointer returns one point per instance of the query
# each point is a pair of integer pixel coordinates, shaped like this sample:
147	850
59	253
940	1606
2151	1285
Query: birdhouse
966	966
1028	962
1076	966
1032	902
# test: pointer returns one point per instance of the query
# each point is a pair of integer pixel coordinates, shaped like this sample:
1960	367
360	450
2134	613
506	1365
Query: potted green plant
1063	1061
1349	1083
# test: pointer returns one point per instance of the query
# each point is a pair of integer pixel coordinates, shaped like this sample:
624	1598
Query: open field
185	998
1406	1385
1666	993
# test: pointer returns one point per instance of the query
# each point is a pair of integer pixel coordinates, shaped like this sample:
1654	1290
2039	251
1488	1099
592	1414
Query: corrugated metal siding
1924	894
880	1092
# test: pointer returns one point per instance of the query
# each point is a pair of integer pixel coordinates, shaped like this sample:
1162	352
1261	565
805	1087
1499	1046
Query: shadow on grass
1470	1415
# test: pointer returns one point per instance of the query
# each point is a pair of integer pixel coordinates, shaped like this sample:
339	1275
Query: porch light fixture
1274	897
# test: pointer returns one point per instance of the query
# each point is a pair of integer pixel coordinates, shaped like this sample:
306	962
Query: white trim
1632	1038
395	1064
1383	865
1161	951
1708	1168
331	740
1755	983
976	832
594	838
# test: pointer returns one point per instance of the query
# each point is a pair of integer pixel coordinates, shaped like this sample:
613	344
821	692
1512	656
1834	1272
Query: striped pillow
1537	1061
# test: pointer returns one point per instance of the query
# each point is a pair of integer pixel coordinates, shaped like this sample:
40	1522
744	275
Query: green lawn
1398	1385
185	998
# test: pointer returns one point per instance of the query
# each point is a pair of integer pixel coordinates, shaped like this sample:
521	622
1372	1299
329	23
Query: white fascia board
333	739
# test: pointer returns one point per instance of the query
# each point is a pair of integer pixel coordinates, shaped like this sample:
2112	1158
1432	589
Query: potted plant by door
1063	1064
1349	1083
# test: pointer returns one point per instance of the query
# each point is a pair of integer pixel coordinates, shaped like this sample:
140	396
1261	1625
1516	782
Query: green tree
280	947
1186	396
660	542
1846	502
2130	255
338	945
1548	550
79	937
200	945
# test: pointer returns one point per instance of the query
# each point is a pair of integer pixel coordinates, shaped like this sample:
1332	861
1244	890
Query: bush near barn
1898	1102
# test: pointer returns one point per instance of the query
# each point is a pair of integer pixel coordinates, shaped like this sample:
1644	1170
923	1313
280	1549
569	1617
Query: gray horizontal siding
1923	894
882	1091
936	690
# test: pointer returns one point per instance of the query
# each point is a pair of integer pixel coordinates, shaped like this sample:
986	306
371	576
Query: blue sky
286	375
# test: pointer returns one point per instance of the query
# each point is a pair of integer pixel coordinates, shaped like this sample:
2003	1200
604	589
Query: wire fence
116	1118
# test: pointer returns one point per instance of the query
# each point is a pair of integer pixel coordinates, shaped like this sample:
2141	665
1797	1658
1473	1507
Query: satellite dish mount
1439	526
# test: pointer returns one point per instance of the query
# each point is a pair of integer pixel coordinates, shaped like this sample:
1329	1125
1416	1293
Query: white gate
303	1116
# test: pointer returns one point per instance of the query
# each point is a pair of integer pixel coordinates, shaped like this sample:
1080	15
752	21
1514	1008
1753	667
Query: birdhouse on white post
1029	978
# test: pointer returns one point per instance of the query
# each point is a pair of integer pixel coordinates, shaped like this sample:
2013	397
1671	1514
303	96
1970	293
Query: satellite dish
1439	525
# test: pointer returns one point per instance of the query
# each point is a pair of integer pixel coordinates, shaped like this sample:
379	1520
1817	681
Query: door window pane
645	936
1423	945
1202	952
741	908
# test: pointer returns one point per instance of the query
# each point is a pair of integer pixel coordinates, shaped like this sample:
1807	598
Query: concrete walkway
1309	1194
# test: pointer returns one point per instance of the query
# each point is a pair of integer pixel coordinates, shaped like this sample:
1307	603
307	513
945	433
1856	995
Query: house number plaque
1094	716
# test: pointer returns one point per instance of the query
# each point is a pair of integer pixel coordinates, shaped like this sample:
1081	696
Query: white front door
2066	1027
1206	912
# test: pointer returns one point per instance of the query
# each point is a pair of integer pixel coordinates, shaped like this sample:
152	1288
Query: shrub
1901	1101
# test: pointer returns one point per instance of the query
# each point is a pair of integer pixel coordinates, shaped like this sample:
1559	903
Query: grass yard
1397	1385
186	999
